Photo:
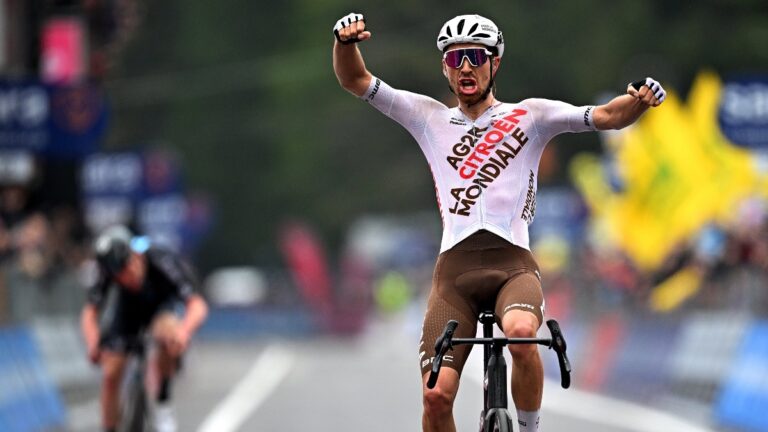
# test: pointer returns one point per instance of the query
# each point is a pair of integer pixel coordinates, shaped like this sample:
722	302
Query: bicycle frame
495	367
135	404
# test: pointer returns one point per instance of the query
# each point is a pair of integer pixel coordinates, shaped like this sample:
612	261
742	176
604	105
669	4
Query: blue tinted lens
475	56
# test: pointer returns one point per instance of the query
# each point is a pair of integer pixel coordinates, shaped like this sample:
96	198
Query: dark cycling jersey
168	284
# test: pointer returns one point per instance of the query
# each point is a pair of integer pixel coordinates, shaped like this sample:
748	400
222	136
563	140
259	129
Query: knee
522	329
112	377
166	353
437	402
164	327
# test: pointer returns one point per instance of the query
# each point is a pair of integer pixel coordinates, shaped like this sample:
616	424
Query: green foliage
245	91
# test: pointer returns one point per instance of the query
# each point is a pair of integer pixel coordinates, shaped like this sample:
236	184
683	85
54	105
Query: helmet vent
470	28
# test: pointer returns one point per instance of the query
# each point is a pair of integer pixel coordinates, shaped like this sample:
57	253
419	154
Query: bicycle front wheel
135	407
498	421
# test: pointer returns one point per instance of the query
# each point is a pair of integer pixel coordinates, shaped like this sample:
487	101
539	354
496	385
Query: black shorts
122	326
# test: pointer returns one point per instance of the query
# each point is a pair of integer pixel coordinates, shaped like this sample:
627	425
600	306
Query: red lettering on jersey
466	175
483	148
500	129
503	126
493	136
513	117
475	158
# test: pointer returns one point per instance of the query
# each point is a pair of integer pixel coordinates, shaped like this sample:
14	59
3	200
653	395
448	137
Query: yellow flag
679	173
676	289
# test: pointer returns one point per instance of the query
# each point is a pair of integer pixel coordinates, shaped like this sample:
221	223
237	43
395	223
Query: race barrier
709	367
29	400
744	394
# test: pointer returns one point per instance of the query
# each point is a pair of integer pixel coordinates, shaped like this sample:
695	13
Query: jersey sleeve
411	110
178	273
97	291
552	118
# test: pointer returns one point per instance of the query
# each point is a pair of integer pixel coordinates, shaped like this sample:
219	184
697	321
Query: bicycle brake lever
558	341
558	344
442	344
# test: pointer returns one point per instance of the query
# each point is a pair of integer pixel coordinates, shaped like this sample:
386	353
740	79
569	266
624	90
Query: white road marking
609	411
613	412
84	416
596	408
260	381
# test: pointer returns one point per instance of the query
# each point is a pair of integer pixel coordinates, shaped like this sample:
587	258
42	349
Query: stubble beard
470	100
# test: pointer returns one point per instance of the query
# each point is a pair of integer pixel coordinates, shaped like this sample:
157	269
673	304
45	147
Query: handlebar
556	342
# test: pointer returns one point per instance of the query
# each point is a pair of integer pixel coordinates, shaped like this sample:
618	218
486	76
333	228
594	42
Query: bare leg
164	328
527	369
438	402
112	367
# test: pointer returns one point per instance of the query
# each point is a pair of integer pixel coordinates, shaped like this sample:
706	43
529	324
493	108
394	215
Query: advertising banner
29	400
144	190
743	113
62	122
62	51
744	394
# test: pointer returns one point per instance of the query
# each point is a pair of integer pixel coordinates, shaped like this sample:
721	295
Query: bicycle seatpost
487	319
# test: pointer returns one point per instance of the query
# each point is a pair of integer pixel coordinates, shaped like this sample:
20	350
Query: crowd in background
44	243
44	264
42	250
728	265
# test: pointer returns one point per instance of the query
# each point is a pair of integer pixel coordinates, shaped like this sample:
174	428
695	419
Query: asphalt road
370	382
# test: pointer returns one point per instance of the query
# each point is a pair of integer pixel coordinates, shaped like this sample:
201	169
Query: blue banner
743	113
744	396
145	190
111	183
29	400
63	122
641	368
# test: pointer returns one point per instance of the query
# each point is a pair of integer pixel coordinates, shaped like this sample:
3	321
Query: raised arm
624	110
348	63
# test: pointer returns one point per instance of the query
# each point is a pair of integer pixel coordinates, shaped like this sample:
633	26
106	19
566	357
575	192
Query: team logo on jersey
375	90
482	158
529	210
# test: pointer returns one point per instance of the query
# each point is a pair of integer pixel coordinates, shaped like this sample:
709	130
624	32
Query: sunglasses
476	57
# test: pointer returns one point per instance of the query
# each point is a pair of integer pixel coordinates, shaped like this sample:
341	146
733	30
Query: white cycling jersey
484	170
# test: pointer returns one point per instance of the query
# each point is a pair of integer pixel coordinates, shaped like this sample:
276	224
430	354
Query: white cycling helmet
471	29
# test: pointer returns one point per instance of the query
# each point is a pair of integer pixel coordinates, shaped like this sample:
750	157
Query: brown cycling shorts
481	273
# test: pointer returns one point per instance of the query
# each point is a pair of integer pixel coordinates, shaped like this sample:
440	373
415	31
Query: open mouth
467	85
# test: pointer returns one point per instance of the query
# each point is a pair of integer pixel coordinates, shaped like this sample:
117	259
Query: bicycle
495	417
136	409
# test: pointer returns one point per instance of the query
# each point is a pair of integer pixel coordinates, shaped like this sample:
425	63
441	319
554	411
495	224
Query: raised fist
351	29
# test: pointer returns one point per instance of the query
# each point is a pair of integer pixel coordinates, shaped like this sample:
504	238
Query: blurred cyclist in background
138	289
484	157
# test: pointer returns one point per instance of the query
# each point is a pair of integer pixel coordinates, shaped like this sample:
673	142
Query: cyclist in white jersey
484	156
